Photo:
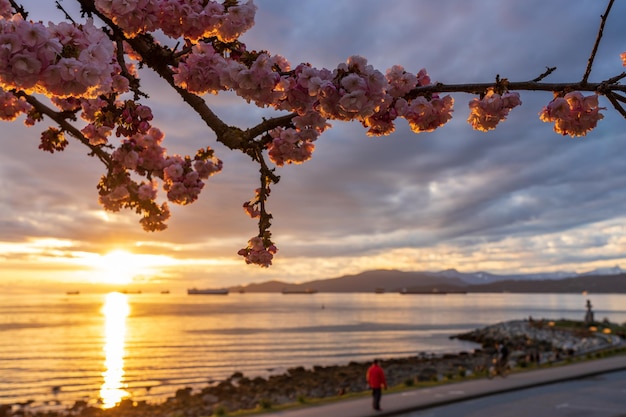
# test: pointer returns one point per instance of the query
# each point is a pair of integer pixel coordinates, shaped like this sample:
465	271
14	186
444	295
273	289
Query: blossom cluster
12	106
189	19
258	253
487	112
182	177
573	114
424	114
204	70
59	60
251	207
353	91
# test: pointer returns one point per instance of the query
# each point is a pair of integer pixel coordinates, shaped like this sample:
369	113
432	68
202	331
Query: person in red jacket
376	380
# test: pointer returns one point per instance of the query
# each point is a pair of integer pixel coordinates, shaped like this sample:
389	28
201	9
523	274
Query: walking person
502	359
376	380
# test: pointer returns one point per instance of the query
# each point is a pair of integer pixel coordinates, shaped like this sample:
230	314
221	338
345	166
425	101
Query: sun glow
117	267
120	267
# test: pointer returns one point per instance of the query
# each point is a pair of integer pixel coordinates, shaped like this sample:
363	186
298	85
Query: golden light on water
115	311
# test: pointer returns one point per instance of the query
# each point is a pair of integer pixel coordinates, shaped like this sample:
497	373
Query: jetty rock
545	335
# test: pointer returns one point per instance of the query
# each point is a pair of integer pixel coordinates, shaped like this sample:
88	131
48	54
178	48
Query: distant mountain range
609	280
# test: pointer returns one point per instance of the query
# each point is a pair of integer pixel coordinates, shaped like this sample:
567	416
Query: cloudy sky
518	199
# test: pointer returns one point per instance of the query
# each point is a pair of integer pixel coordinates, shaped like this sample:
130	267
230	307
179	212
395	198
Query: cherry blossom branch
93	82
159	58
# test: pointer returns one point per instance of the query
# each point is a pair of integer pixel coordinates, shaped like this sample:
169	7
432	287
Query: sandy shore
530	343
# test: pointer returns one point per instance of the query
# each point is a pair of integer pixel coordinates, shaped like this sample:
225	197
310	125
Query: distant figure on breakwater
589	314
503	354
376	380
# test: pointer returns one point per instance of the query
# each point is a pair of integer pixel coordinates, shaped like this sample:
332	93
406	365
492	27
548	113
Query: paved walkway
399	403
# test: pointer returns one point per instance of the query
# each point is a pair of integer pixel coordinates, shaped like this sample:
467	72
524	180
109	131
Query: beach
532	343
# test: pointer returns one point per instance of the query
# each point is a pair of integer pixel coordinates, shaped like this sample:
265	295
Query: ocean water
57	348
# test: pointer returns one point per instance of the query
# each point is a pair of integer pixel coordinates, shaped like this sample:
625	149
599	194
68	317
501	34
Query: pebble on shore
528	340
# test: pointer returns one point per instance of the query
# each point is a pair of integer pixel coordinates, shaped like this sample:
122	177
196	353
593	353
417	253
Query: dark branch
67	15
19	9
514	86
66	126
269	124
615	79
595	46
619	97
616	104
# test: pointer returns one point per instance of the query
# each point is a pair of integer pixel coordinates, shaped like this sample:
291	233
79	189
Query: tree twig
616	104
597	43
549	70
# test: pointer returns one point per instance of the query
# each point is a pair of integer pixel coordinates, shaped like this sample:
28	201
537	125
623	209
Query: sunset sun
120	267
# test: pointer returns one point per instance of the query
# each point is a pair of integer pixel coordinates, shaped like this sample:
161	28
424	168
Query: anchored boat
196	291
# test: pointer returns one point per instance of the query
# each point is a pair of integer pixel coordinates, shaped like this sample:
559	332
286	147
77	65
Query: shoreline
532	343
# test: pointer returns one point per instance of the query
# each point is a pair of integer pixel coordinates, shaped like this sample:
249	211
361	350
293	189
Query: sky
520	199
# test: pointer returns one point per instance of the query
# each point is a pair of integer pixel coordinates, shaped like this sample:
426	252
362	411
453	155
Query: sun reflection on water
115	311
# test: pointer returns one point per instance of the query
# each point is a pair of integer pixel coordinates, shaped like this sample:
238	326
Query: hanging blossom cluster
487	112
190	19
295	145
257	252
573	114
260	249
61	60
140	151
182	177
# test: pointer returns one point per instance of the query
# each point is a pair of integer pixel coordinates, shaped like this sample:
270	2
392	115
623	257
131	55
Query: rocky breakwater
542	340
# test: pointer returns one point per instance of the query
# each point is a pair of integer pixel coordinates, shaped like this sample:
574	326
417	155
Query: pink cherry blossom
487	112
97	135
5	9
257	253
155	219
288	147
573	114
11	106
426	115
147	191
400	81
